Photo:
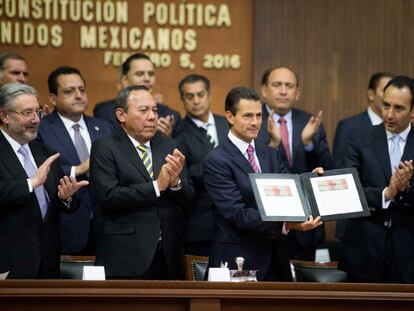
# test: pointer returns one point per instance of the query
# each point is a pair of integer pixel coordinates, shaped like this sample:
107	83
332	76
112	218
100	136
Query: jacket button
386	224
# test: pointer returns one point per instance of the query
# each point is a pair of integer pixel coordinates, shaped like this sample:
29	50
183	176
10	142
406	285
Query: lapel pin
96	128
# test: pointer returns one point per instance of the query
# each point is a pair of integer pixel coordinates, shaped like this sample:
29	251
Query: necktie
146	159
395	153
209	137
252	159
285	138
80	145
31	171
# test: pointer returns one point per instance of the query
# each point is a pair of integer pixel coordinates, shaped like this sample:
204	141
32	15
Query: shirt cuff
284	230
157	190
385	203
29	184
72	171
308	148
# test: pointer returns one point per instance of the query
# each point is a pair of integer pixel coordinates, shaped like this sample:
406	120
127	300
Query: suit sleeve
220	182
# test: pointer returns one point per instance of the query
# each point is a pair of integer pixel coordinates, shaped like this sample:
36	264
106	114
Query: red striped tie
252	159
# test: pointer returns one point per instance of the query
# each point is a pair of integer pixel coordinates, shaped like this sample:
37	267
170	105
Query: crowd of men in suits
138	186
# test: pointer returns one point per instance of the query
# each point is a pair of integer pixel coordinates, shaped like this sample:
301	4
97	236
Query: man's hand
319	170
41	174
311	128
165	125
82	168
273	131
174	165
163	179
310	224
68	187
399	180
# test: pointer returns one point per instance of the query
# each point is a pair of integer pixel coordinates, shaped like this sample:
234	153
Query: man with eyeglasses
33	189
71	133
139	182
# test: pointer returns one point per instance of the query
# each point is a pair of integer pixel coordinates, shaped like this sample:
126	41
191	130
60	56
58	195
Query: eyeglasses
30	114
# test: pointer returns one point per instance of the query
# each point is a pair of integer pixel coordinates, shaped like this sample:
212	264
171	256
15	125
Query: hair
10	91
121	100
235	95
402	82
193	78
376	77
63	70
266	74
126	65
6	56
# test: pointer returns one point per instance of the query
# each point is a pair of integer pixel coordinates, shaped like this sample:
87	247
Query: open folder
337	194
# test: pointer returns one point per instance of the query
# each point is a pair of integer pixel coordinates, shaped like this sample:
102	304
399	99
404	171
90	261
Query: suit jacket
26	240
346	129
239	230
200	219
363	241
302	162
106	110
132	215
74	227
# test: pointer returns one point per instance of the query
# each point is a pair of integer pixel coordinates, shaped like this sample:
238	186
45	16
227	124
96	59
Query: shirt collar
240	144
68	123
136	143
14	144
201	124
276	117
403	135
375	119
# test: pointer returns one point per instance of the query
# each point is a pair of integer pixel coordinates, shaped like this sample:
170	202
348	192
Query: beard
21	134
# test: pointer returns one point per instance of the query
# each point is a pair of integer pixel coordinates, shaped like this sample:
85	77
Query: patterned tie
146	159
31	171
395	153
80	145
285	138
209	137
252	159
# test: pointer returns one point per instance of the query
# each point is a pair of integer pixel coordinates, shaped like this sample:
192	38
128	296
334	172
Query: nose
283	89
152	115
21	78
146	76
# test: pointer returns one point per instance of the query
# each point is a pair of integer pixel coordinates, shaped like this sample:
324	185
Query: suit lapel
10	160
380	145
263	160
198	133
93	129
409	146
126	146
297	127
158	153
222	129
237	157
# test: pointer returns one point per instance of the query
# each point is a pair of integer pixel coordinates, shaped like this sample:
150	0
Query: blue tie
395	153
31	171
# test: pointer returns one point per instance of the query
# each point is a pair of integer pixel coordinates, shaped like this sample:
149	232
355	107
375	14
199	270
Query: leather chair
195	267
321	272
71	267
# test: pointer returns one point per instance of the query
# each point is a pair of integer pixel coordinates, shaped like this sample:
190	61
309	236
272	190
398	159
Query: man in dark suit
32	190
138	69
203	131
349	126
239	230
137	179
68	96
379	248
299	137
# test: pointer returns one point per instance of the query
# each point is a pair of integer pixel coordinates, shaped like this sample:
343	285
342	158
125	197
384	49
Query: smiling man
379	248
239	230
139	181
71	133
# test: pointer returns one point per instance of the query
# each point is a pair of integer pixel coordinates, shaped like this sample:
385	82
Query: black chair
195	267
71	267
321	272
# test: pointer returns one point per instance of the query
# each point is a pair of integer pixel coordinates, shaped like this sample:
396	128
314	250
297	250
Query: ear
4	117
298	93
229	117
52	99
371	95
120	115
263	90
